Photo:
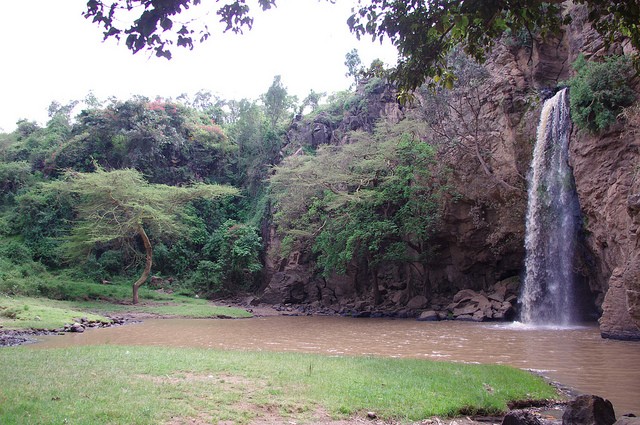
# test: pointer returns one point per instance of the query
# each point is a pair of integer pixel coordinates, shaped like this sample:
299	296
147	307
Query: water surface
577	357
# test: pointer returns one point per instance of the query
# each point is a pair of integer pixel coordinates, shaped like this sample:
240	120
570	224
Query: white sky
50	52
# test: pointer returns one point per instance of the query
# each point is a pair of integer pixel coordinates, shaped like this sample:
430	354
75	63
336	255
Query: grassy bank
151	385
41	313
66	300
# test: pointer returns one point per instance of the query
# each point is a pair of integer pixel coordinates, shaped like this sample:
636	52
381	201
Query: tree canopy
121	206
209	246
424	31
157	28
373	201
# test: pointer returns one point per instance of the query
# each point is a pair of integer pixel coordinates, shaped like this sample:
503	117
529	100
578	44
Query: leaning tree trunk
147	267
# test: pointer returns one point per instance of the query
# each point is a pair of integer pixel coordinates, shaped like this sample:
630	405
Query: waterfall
552	222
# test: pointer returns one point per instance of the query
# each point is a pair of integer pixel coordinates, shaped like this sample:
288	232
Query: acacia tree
121	207
456	118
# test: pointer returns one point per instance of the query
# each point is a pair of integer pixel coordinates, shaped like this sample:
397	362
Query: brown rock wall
605	168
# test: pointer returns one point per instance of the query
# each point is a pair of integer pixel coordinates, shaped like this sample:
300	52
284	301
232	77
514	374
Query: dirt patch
201	419
320	417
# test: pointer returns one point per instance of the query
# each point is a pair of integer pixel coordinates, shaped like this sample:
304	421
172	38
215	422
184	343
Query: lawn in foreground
152	385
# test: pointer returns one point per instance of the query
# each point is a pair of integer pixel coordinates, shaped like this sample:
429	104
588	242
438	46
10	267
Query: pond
576	357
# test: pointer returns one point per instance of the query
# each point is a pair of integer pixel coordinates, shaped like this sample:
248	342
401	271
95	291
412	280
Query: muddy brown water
576	357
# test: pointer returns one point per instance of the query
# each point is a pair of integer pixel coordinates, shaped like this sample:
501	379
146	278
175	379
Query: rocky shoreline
14	337
496	304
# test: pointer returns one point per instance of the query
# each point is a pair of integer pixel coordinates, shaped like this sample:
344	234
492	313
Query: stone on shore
589	410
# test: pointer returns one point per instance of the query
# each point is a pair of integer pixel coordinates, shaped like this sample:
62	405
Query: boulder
399	298
589	410
466	310
429	316
475	305
520	417
497	296
464	295
480	316
628	420
76	327
504	312
417	302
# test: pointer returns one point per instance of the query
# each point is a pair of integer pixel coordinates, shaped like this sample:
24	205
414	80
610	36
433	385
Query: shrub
599	91
237	249
21	279
112	261
207	278
16	251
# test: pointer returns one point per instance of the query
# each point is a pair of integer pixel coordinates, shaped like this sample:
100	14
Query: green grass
50	303
40	313
151	385
43	313
195	309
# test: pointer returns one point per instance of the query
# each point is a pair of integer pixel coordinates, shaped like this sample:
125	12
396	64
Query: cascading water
552	222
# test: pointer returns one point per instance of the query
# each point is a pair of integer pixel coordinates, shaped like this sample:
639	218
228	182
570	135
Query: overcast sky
50	52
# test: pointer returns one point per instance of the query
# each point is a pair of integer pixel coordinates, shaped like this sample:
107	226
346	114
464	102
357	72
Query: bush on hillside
599	91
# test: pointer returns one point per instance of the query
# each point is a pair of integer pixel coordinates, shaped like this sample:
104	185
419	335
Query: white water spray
552	220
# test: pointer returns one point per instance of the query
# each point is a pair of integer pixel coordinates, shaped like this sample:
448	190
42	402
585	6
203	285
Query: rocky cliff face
605	169
486	135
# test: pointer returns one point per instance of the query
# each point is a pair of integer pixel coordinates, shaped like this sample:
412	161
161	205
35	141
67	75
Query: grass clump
150	385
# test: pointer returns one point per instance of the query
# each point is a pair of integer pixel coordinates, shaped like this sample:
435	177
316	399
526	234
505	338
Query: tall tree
122	207
354	65
276	101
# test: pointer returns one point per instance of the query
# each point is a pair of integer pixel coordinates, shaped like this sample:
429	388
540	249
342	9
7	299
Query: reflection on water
577	357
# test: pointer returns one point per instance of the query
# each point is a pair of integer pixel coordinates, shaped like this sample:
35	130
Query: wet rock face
616	322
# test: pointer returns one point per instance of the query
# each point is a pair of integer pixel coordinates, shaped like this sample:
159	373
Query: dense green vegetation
180	190
140	187
151	385
373	201
599	91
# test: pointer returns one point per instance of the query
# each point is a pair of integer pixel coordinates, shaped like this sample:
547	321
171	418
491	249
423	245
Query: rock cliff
485	133
605	169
